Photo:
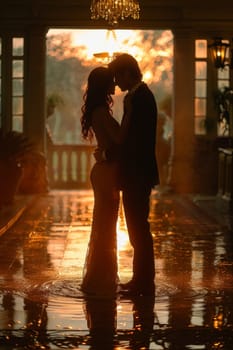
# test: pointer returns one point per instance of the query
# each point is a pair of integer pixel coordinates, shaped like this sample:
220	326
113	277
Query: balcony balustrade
69	166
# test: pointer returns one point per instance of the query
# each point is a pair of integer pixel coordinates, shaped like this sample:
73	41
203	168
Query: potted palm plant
224	105
14	146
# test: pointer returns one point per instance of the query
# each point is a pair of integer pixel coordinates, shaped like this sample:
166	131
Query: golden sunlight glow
101	41
122	233
122	239
148	76
99	45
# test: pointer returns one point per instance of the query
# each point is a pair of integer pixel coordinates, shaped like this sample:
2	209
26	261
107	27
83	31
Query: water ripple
64	288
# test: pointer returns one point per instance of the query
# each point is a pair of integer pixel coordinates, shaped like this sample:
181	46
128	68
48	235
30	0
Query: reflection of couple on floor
125	161
101	315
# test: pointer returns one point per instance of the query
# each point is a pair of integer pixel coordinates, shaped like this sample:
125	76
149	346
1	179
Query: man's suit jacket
138	152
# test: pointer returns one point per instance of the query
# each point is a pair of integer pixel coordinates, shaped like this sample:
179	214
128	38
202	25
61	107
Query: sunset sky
145	45
153	49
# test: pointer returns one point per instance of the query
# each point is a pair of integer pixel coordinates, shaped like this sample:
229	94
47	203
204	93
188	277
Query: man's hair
125	62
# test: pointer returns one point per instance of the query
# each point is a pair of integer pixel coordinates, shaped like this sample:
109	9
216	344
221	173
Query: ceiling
156	14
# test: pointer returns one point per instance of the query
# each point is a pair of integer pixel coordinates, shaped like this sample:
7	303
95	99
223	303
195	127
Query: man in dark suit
139	172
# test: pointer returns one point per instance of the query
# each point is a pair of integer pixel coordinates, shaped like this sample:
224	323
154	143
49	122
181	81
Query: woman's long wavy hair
97	94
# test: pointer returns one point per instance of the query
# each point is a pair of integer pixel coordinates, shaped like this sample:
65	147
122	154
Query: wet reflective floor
41	262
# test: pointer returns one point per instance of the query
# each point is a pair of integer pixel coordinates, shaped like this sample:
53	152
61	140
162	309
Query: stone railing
69	166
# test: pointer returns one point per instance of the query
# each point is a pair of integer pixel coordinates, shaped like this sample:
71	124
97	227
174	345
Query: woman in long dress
100	276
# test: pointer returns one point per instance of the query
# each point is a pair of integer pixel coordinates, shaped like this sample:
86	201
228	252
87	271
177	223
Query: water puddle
42	307
55	315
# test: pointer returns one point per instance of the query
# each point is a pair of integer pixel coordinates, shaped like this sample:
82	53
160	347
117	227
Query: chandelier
113	10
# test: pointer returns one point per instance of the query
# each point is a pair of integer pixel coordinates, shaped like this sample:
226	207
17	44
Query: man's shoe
127	285
132	290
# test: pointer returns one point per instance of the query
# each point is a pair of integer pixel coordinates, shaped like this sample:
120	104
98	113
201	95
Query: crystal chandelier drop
113	10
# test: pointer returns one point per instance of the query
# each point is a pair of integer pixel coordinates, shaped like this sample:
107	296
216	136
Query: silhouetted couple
125	161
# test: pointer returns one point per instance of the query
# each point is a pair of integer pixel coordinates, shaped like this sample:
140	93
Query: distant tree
65	75
68	68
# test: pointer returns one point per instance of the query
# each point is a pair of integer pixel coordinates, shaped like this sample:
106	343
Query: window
0	82
17	83
12	78
200	98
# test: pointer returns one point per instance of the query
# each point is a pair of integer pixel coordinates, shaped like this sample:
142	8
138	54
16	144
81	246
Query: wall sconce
218	51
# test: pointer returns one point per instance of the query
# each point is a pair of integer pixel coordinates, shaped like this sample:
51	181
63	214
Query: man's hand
99	154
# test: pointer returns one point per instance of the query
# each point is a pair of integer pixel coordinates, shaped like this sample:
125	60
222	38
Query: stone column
35	89
182	172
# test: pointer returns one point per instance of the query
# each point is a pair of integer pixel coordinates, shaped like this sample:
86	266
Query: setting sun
98	41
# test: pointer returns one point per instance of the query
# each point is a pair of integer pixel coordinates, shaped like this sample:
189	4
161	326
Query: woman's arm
103	119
